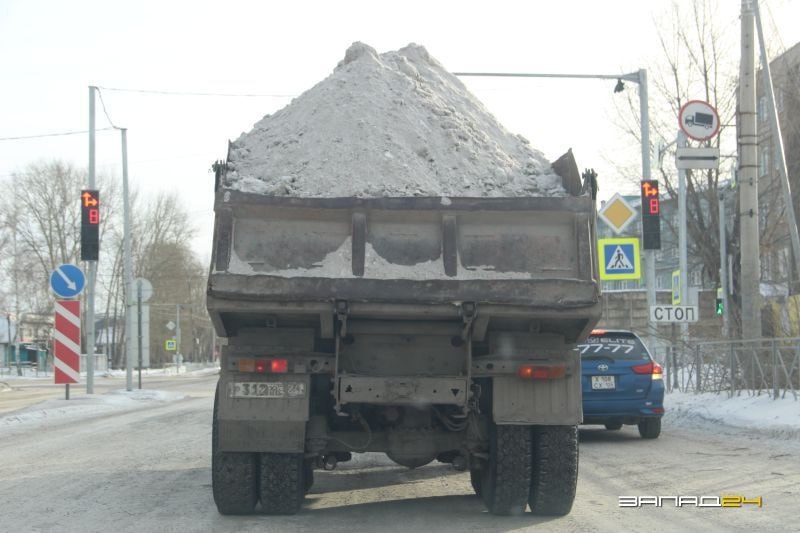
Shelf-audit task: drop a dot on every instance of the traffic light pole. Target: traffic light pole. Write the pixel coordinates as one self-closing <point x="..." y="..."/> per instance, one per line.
<point x="683" y="257"/>
<point x="92" y="265"/>
<point x="723" y="265"/>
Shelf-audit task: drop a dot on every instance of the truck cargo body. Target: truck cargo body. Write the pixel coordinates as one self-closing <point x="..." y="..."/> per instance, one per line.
<point x="425" y="328"/>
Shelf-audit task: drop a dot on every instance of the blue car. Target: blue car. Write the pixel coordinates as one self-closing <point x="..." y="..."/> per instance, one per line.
<point x="621" y="382"/>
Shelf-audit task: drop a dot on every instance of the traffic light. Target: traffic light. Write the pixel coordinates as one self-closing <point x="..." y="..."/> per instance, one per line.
<point x="719" y="306"/>
<point x="90" y="225"/>
<point x="651" y="215"/>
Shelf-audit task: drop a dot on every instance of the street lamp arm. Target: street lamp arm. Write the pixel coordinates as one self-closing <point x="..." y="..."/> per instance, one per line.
<point x="632" y="76"/>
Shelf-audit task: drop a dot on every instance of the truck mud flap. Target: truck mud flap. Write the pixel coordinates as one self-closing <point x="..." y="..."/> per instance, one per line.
<point x="540" y="402"/>
<point x="263" y="413"/>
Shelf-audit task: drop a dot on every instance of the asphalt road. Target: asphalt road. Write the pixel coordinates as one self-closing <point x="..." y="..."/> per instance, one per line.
<point x="148" y="470"/>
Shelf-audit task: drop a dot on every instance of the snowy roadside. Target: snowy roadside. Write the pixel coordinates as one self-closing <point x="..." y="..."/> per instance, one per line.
<point x="757" y="415"/>
<point x="43" y="414"/>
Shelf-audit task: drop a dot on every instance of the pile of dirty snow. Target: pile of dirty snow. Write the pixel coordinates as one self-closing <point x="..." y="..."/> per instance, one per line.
<point x="381" y="125"/>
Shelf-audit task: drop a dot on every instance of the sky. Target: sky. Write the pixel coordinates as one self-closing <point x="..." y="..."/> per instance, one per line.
<point x="261" y="54"/>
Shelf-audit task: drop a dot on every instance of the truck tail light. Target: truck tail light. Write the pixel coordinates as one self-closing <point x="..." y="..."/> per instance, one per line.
<point x="264" y="366"/>
<point x="279" y="366"/>
<point x="542" y="371"/>
<point x="652" y="368"/>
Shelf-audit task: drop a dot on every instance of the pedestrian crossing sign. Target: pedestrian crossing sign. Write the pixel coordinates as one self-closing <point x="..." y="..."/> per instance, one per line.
<point x="619" y="259"/>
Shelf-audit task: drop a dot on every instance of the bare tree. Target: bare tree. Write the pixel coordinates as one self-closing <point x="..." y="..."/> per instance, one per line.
<point x="42" y="218"/>
<point x="163" y="255"/>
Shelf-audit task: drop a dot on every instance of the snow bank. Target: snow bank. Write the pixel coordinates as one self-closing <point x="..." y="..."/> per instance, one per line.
<point x="757" y="414"/>
<point x="80" y="407"/>
<point x="381" y="125"/>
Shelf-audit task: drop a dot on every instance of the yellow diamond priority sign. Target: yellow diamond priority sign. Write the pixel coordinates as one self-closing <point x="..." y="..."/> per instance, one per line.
<point x="617" y="213"/>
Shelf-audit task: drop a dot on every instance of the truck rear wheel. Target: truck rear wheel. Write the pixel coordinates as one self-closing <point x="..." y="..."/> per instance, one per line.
<point x="475" y="479"/>
<point x="507" y="478"/>
<point x="234" y="479"/>
<point x="555" y="470"/>
<point x="282" y="482"/>
<point x="308" y="475"/>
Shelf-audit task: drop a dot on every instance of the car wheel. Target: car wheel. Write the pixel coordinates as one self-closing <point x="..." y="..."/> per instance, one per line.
<point x="650" y="428"/>
<point x="613" y="426"/>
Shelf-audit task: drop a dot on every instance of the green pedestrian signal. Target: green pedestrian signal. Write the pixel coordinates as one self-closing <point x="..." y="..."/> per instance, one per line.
<point x="719" y="302"/>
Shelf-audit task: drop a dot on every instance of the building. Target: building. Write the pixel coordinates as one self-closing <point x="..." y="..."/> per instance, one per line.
<point x="777" y="276"/>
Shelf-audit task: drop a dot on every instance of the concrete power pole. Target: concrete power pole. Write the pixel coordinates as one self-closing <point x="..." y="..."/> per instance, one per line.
<point x="127" y="267"/>
<point x="748" y="182"/>
<point x="92" y="265"/>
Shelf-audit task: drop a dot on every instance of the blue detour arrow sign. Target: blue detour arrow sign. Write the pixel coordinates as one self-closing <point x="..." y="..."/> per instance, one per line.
<point x="67" y="281"/>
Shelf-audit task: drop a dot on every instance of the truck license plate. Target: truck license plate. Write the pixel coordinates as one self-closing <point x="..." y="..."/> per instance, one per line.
<point x="261" y="389"/>
<point x="603" y="382"/>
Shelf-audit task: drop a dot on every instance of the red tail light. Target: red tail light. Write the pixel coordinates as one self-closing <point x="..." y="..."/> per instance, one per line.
<point x="542" y="371"/>
<point x="652" y="368"/>
<point x="264" y="366"/>
<point x="279" y="366"/>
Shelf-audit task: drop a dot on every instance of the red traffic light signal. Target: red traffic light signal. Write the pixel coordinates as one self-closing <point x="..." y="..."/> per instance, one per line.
<point x="90" y="225"/>
<point x="651" y="215"/>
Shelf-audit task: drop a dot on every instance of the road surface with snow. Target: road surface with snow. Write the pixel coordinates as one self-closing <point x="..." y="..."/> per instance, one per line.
<point x="139" y="461"/>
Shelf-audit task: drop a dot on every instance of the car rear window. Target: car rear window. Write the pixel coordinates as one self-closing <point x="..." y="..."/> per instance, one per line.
<point x="614" y="345"/>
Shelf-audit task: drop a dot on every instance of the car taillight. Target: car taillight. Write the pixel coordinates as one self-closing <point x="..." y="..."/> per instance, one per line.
<point x="652" y="368"/>
<point x="542" y="371"/>
<point x="264" y="366"/>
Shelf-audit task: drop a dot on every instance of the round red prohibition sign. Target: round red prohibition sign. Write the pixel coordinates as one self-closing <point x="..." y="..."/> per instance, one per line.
<point x="698" y="120"/>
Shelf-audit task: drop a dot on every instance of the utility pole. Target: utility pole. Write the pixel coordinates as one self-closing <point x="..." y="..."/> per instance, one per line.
<point x="92" y="265"/>
<point x="127" y="266"/>
<point x="178" y="339"/>
<point x="723" y="264"/>
<point x="748" y="183"/>
<point x="139" y="328"/>
<point x="649" y="255"/>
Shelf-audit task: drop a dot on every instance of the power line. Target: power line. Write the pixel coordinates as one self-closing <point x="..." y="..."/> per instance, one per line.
<point x="103" y="104"/>
<point x="188" y="93"/>
<point x="41" y="135"/>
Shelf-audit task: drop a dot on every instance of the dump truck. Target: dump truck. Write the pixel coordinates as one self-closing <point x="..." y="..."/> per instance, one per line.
<point x="426" y="328"/>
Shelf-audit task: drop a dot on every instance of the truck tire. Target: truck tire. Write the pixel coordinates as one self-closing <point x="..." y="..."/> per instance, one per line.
<point x="650" y="428"/>
<point x="234" y="479"/>
<point x="475" y="479"/>
<point x="555" y="470"/>
<point x="308" y="475"/>
<point x="506" y="480"/>
<point x="282" y="482"/>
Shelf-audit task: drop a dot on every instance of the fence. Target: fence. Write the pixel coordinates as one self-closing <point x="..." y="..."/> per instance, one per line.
<point x="763" y="366"/>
